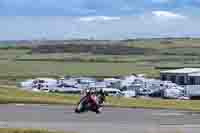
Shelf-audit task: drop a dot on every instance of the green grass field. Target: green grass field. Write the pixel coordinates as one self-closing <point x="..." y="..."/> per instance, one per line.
<point x="18" y="64"/>
<point x="10" y="94"/>
<point x="13" y="130"/>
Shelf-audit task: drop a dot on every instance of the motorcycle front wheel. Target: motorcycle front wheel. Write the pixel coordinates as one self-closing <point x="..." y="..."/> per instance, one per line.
<point x="80" y="108"/>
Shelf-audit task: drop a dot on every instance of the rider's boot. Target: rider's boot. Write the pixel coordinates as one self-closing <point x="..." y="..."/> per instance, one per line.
<point x="99" y="110"/>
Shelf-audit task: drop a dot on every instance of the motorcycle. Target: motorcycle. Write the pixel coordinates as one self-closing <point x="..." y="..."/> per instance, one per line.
<point x="90" y="103"/>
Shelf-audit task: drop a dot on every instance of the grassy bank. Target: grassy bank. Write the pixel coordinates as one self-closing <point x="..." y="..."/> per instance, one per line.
<point x="10" y="130"/>
<point x="155" y="104"/>
<point x="13" y="95"/>
<point x="18" y="64"/>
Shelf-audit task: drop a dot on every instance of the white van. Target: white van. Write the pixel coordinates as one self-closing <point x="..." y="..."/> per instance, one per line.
<point x="39" y="83"/>
<point x="111" y="91"/>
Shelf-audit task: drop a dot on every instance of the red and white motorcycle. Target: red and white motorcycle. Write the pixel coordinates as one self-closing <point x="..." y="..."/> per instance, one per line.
<point x="90" y="102"/>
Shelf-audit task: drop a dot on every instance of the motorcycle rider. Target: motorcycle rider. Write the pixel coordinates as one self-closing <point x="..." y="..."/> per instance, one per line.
<point x="102" y="96"/>
<point x="90" y="95"/>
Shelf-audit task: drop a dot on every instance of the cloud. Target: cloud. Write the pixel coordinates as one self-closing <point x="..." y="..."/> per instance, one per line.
<point x="92" y="7"/>
<point x="122" y="18"/>
<point x="98" y="18"/>
<point x="126" y="8"/>
<point x="70" y="27"/>
<point x="161" y="1"/>
<point x="167" y="15"/>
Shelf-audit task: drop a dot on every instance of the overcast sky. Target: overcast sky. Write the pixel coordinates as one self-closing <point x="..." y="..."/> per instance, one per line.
<point x="99" y="19"/>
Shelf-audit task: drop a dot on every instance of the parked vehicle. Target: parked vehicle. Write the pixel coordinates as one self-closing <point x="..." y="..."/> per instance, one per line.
<point x="111" y="91"/>
<point x="129" y="93"/>
<point x="173" y="93"/>
<point x="39" y="83"/>
<point x="67" y="89"/>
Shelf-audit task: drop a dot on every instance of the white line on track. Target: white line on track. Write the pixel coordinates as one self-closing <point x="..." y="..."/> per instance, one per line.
<point x="168" y="114"/>
<point x="180" y="126"/>
<point x="19" y="104"/>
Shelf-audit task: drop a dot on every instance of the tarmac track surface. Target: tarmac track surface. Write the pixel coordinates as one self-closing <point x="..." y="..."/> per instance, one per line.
<point x="112" y="120"/>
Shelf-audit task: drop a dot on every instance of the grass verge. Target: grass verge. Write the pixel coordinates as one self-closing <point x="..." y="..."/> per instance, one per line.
<point x="154" y="104"/>
<point x="13" y="95"/>
<point x="11" y="130"/>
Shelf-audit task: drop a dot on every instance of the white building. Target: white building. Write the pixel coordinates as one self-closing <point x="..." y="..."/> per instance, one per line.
<point x="184" y="76"/>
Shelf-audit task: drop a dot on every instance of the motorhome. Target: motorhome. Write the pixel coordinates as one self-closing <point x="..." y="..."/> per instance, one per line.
<point x="39" y="83"/>
<point x="129" y="93"/>
<point x="111" y="91"/>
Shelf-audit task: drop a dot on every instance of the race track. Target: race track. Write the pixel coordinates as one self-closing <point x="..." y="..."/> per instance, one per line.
<point x="112" y="120"/>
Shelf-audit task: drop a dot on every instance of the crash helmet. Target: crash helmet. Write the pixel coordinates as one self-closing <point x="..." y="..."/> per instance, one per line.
<point x="87" y="90"/>
<point x="92" y="90"/>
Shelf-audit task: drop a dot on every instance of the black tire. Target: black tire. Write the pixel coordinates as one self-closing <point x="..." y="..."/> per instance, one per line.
<point x="80" y="107"/>
<point x="99" y="110"/>
<point x="77" y="111"/>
